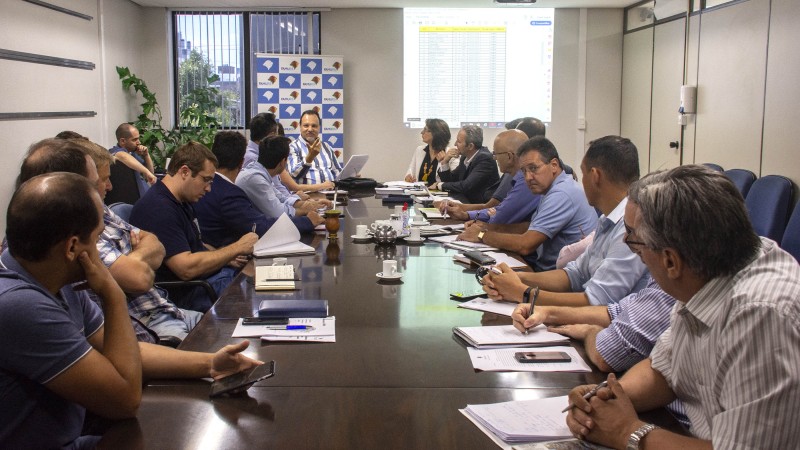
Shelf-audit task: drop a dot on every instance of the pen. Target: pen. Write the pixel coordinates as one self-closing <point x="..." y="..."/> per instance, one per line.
<point x="290" y="327"/>
<point x="587" y="395"/>
<point x="254" y="228"/>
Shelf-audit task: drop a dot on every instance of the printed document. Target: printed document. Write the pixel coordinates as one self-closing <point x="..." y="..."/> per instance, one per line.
<point x="502" y="359"/>
<point x="500" y="336"/>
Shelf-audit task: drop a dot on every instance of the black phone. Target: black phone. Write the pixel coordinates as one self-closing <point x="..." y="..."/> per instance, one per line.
<point x="240" y="382"/>
<point x="479" y="258"/>
<point x="265" y="321"/>
<point x="542" y="357"/>
<point x="462" y="297"/>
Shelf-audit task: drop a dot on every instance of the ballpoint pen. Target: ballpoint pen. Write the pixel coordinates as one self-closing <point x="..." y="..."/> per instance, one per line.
<point x="290" y="327"/>
<point x="587" y="395"/>
<point x="533" y="305"/>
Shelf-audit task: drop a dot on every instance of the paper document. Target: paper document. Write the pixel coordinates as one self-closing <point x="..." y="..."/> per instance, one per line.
<point x="502" y="359"/>
<point x="499" y="336"/>
<point x="431" y="213"/>
<point x="389" y="191"/>
<point x="323" y="327"/>
<point x="489" y="305"/>
<point x="523" y="420"/>
<point x="452" y="241"/>
<point x="401" y="184"/>
<point x="275" y="278"/>
<point x="282" y="238"/>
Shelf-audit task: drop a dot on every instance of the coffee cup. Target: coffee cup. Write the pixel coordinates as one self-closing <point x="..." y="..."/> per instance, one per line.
<point x="389" y="268"/>
<point x="279" y="261"/>
<point x="361" y="231"/>
<point x="414" y="234"/>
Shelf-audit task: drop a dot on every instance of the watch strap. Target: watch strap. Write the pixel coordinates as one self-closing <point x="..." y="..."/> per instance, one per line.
<point x="636" y="437"/>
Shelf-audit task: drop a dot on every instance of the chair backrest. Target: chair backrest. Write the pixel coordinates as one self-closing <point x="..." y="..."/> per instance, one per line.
<point x="769" y="203"/>
<point x="791" y="236"/>
<point x="713" y="166"/>
<point x="742" y="178"/>
<point x="123" y="210"/>
<point x="125" y="187"/>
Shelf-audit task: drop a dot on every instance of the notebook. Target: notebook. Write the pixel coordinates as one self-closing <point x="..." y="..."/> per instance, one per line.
<point x="282" y="238"/>
<point x="275" y="278"/>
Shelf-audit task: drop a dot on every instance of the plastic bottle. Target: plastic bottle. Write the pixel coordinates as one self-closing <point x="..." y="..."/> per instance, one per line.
<point x="404" y="218"/>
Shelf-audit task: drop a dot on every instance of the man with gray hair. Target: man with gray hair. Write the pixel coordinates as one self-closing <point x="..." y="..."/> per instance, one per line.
<point x="732" y="352"/>
<point x="476" y="172"/>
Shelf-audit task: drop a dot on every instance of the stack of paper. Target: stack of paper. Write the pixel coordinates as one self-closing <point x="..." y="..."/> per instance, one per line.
<point x="503" y="359"/>
<point x="282" y="238"/>
<point x="275" y="278"/>
<point x="431" y="213"/>
<point x="452" y="241"/>
<point x="523" y="421"/>
<point x="324" y="330"/>
<point x="501" y="336"/>
<point x="512" y="262"/>
<point x="489" y="305"/>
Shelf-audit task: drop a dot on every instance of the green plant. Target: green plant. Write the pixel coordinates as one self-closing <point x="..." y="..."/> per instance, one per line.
<point x="196" y="121"/>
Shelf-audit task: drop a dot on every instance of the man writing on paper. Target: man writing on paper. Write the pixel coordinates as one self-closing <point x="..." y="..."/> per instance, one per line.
<point x="517" y="203"/>
<point x="607" y="271"/>
<point x="166" y="211"/>
<point x="476" y="172"/>
<point x="563" y="215"/>
<point x="732" y="352"/>
<point x="312" y="161"/>
<point x="226" y="213"/>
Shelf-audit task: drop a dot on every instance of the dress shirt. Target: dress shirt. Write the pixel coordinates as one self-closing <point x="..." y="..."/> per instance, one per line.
<point x="251" y="155"/>
<point x="325" y="167"/>
<point x="732" y="355"/>
<point x="266" y="192"/>
<point x="518" y="205"/>
<point x="469" y="182"/>
<point x="636" y="323"/>
<point x="608" y="270"/>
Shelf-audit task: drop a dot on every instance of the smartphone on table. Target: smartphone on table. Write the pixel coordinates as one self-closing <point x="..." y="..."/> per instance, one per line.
<point x="265" y="321"/>
<point x="240" y="382"/>
<point x="542" y="357"/>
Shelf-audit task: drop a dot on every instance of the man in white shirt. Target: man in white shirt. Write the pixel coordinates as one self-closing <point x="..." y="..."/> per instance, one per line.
<point x="312" y="161"/>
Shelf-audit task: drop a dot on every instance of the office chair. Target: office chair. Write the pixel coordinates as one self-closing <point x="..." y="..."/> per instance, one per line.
<point x="791" y="236"/>
<point x="713" y="166"/>
<point x="125" y="187"/>
<point x="769" y="203"/>
<point x="742" y="179"/>
<point x="123" y="210"/>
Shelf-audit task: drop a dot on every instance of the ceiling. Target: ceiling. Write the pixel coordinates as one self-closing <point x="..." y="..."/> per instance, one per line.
<point x="318" y="4"/>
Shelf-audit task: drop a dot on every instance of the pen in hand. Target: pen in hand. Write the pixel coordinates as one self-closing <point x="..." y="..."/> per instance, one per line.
<point x="587" y="395"/>
<point x="530" y="314"/>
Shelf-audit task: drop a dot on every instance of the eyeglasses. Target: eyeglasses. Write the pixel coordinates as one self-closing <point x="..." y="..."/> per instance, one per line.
<point x="628" y="232"/>
<point x="532" y="168"/>
<point x="495" y="155"/>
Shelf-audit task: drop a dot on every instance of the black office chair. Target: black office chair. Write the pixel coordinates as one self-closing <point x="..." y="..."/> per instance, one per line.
<point x="125" y="186"/>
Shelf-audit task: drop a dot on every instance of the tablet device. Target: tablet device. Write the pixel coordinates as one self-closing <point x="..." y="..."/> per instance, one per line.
<point x="353" y="166"/>
<point x="240" y="382"/>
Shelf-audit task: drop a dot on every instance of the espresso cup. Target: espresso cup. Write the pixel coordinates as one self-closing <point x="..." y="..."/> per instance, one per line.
<point x="279" y="261"/>
<point x="414" y="234"/>
<point x="389" y="268"/>
<point x="361" y="231"/>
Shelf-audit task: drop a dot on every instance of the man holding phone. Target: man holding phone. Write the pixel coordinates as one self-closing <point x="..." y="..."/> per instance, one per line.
<point x="312" y="161"/>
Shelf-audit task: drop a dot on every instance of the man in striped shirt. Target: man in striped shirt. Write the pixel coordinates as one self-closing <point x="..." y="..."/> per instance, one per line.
<point x="732" y="352"/>
<point x="312" y="161"/>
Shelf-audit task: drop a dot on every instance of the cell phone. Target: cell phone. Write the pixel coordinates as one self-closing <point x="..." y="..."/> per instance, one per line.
<point x="265" y="321"/>
<point x="542" y="357"/>
<point x="240" y="382"/>
<point x="479" y="258"/>
<point x="462" y="297"/>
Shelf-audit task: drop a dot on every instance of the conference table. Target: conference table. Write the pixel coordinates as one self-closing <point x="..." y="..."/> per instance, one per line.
<point x="396" y="376"/>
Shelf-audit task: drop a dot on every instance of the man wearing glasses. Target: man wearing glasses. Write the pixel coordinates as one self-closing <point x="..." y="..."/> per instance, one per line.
<point x="563" y="215"/>
<point x="166" y="211"/>
<point x="517" y="203"/>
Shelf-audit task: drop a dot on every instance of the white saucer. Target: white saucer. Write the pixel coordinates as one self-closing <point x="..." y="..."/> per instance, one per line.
<point x="415" y="241"/>
<point x="358" y="238"/>
<point x="396" y="276"/>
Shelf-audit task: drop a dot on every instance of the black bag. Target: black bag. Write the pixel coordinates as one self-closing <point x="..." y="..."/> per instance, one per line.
<point x="356" y="183"/>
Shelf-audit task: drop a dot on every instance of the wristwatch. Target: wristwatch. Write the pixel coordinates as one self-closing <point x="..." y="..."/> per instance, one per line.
<point x="636" y="436"/>
<point x="480" y="235"/>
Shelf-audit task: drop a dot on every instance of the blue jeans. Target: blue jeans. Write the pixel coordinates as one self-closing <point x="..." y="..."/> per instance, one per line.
<point x="165" y="324"/>
<point x="196" y="298"/>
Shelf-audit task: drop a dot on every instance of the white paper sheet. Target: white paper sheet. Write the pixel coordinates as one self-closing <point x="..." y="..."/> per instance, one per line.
<point x="523" y="421"/>
<point x="489" y="305"/>
<point x="282" y="238"/>
<point x="322" y="327"/>
<point x="499" y="336"/>
<point x="499" y="359"/>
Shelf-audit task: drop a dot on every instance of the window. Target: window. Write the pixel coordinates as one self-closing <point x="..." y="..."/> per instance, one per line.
<point x="220" y="46"/>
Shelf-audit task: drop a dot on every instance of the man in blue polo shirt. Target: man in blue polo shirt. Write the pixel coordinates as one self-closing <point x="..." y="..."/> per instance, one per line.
<point x="608" y="270"/>
<point x="166" y="211"/>
<point x="563" y="215"/>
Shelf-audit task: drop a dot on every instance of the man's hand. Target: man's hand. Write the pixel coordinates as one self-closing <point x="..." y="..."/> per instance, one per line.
<point x="410" y="178"/>
<point x="313" y="150"/>
<point x="448" y="155"/>
<point x="150" y="178"/>
<point x="521" y="320"/>
<point x="456" y="211"/>
<point x="575" y="331"/>
<point x="470" y="233"/>
<point x="239" y="262"/>
<point x="142" y="150"/>
<point x="229" y="360"/>
<point x="315" y="218"/>
<point x="325" y="186"/>
<point x="608" y="418"/>
<point x="98" y="278"/>
<point x="245" y="244"/>
<point x="505" y="286"/>
<point x="302" y="195"/>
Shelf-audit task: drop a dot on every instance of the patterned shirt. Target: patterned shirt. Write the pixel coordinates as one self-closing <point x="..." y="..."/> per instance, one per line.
<point x="325" y="167"/>
<point x="115" y="241"/>
<point x="732" y="355"/>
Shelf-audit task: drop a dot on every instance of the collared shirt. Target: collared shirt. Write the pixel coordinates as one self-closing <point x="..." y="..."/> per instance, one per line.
<point x="732" y="355"/>
<point x="325" y="167"/>
<point x="608" y="271"/>
<point x="266" y="191"/>
<point x="636" y="323"/>
<point x="518" y="205"/>
<point x="564" y="216"/>
<point x="114" y="242"/>
<point x="251" y="154"/>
